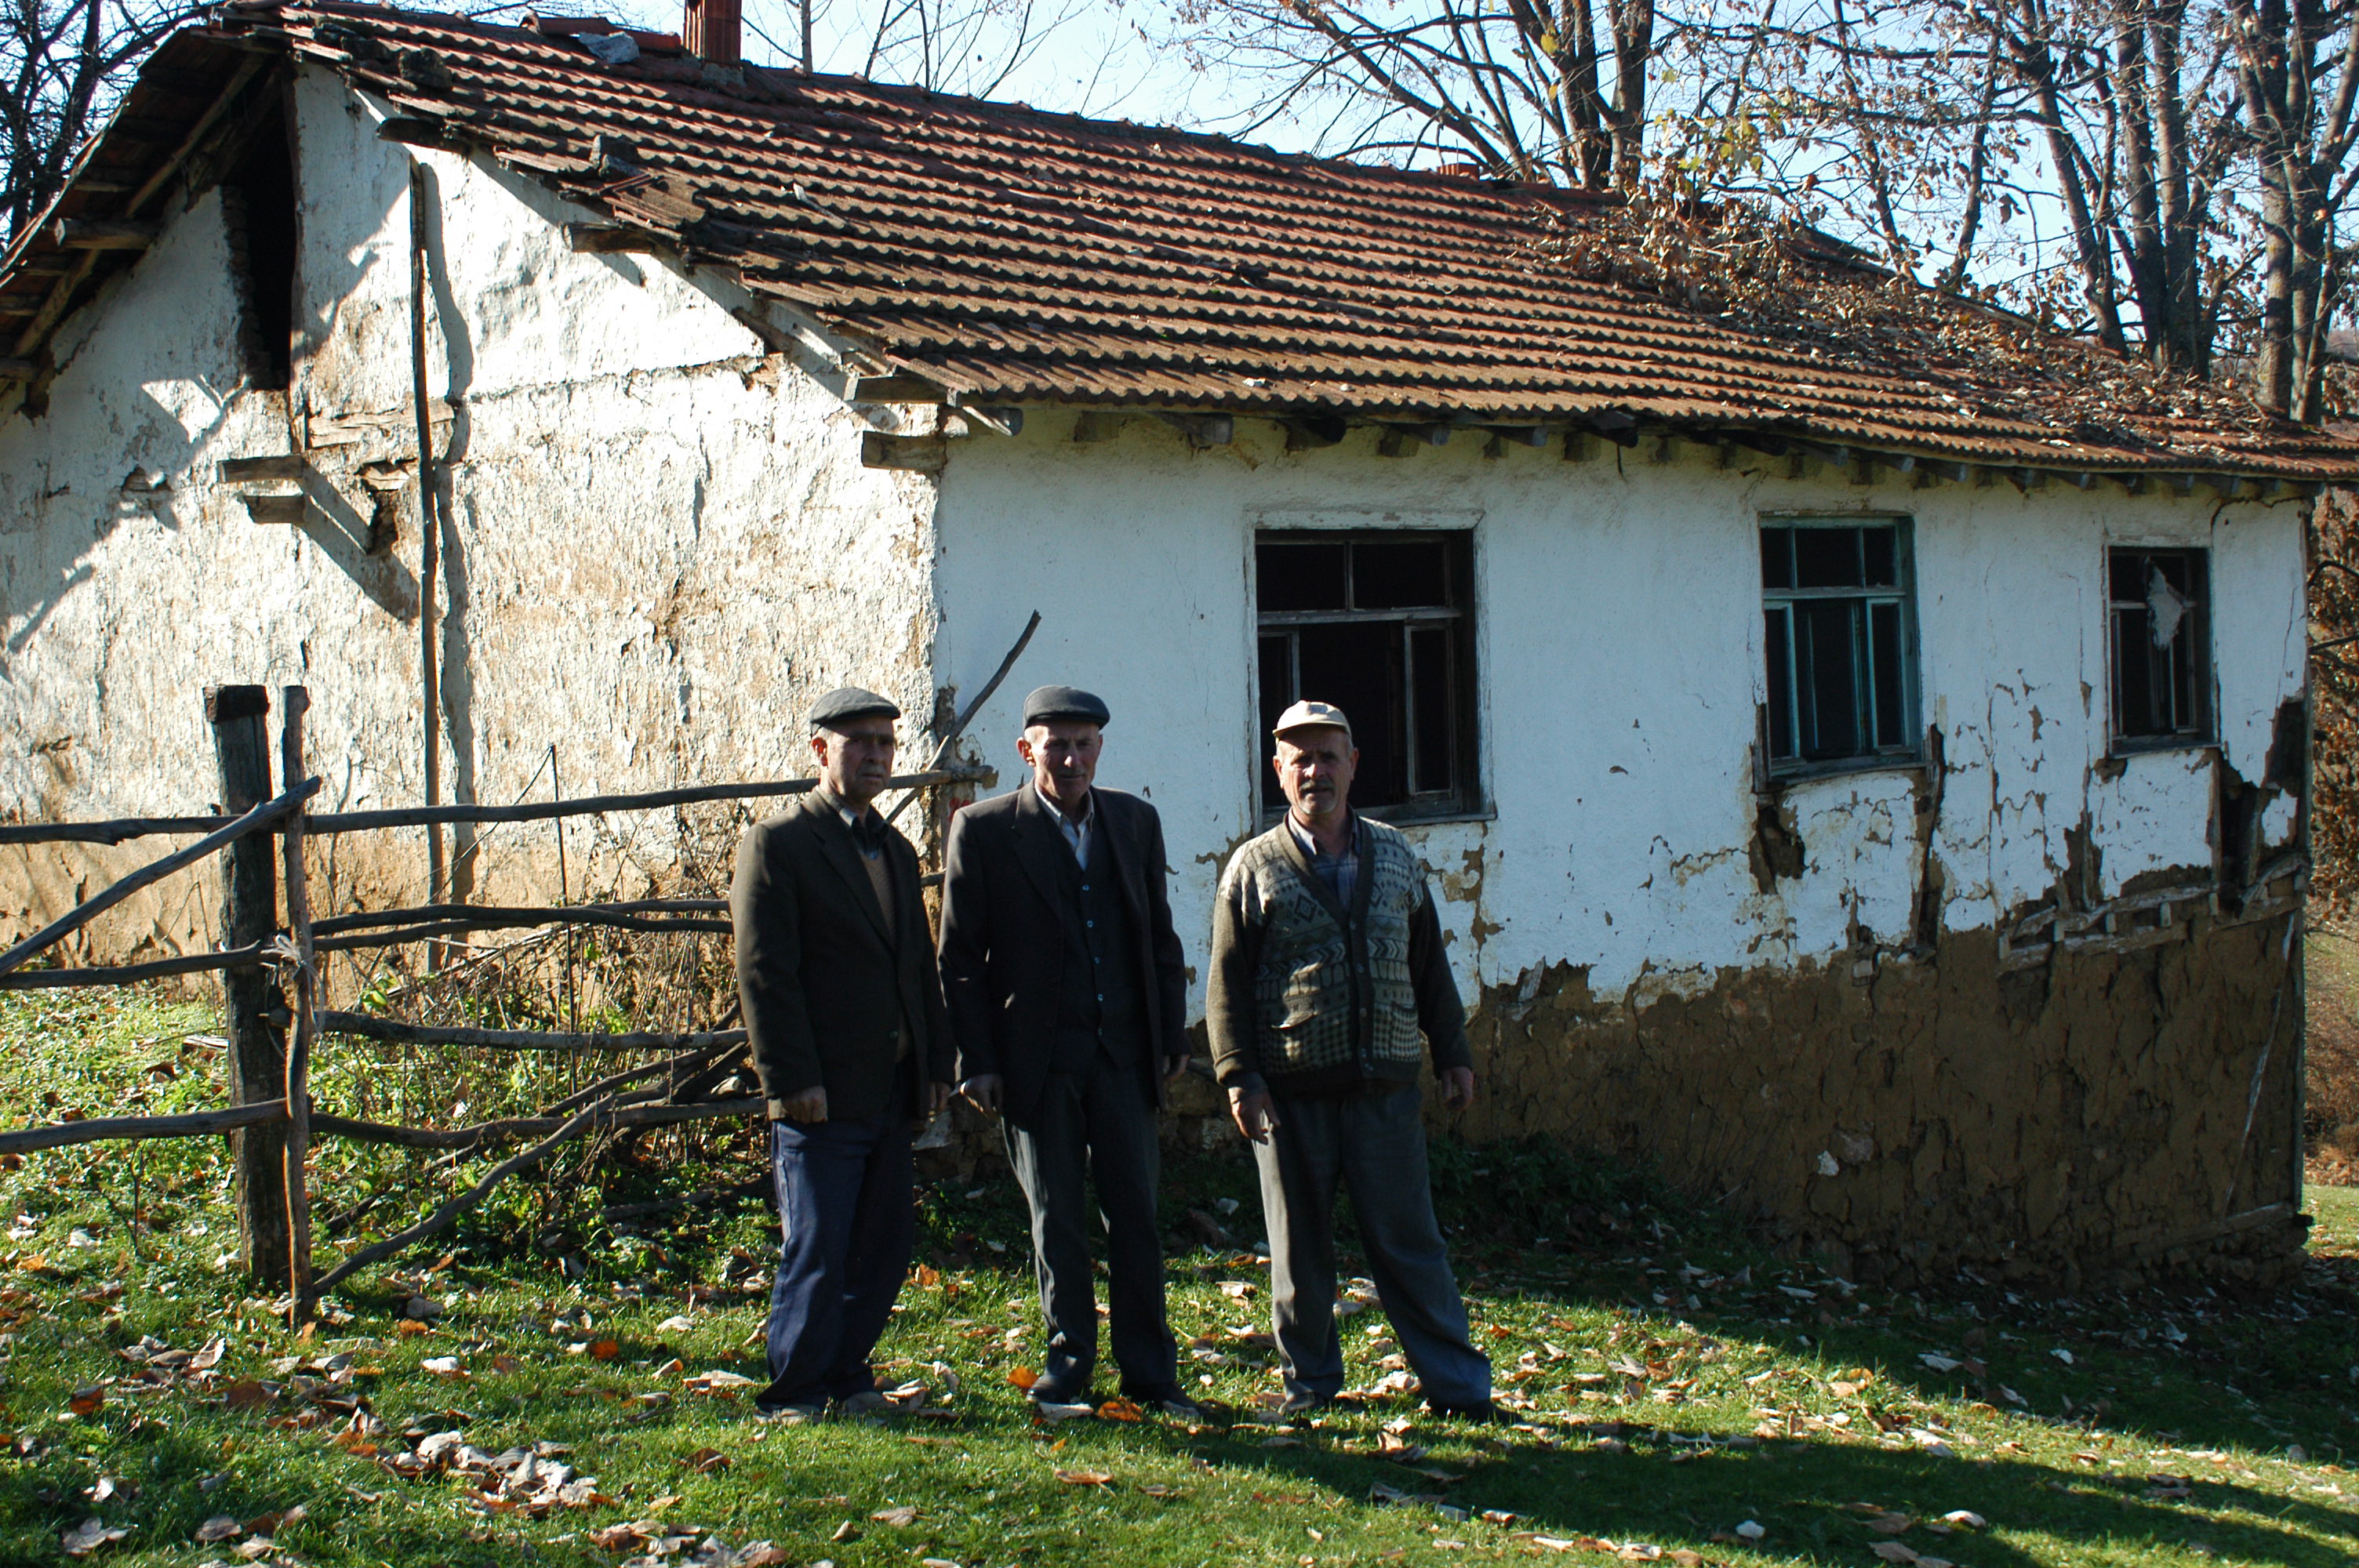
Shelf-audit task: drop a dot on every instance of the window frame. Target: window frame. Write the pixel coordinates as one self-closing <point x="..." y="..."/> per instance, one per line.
<point x="1466" y="798"/>
<point x="1770" y="771"/>
<point x="2201" y="678"/>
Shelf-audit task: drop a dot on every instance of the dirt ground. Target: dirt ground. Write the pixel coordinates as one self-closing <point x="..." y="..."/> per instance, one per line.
<point x="2332" y="1114"/>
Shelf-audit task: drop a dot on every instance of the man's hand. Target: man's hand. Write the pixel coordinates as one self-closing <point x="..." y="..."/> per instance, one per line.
<point x="811" y="1104"/>
<point x="1175" y="1066"/>
<point x="1253" y="1113"/>
<point x="1458" y="1088"/>
<point x="938" y="1095"/>
<point x="982" y="1092"/>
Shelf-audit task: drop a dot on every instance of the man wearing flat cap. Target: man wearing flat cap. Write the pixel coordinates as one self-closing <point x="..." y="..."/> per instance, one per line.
<point x="1068" y="993"/>
<point x="1327" y="968"/>
<point x="843" y="1011"/>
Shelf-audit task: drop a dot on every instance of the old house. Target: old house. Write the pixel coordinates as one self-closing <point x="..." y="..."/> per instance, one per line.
<point x="1867" y="784"/>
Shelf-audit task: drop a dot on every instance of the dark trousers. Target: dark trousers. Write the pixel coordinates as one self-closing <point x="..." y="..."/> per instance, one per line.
<point x="1098" y="1125"/>
<point x="846" y="1213"/>
<point x="1374" y="1145"/>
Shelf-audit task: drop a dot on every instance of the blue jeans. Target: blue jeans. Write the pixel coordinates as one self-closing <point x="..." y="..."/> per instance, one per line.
<point x="846" y="1214"/>
<point x="1375" y="1146"/>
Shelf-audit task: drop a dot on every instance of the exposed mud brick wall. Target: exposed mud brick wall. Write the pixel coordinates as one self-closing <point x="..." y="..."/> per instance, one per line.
<point x="2099" y="1114"/>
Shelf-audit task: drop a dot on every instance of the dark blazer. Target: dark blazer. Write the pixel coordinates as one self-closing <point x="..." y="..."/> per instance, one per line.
<point x="1003" y="943"/>
<point x="826" y="992"/>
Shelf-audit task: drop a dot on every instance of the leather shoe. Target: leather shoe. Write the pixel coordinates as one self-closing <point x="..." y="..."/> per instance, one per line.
<point x="1484" y="1414"/>
<point x="1169" y="1398"/>
<point x="1048" y="1388"/>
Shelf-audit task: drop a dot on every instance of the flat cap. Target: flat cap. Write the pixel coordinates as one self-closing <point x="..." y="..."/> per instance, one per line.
<point x="1049" y="702"/>
<point x="1303" y="715"/>
<point x="849" y="702"/>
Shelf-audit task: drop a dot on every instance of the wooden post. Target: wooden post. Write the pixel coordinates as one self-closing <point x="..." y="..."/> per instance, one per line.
<point x="429" y="549"/>
<point x="257" y="1064"/>
<point x="295" y="702"/>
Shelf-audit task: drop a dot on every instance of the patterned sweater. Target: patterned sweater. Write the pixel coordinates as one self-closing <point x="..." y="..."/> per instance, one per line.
<point x="1310" y="999"/>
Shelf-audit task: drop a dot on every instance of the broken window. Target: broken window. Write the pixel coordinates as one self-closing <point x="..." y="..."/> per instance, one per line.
<point x="1381" y="624"/>
<point x="1840" y="640"/>
<point x="2161" y="635"/>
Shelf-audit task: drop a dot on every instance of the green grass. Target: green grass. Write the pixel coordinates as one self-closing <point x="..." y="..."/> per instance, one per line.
<point x="1681" y="1381"/>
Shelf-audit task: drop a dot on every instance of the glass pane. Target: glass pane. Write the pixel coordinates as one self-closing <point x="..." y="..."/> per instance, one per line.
<point x="1826" y="557"/>
<point x="1776" y="558"/>
<point x="1276" y="693"/>
<point x="1879" y="551"/>
<point x="1357" y="667"/>
<point x="1826" y="646"/>
<point x="2134" y="712"/>
<point x="1884" y="670"/>
<point x="1406" y="574"/>
<point x="2126" y="573"/>
<point x="1301" y="576"/>
<point x="2180" y="664"/>
<point x="1777" y="633"/>
<point x="1433" y="725"/>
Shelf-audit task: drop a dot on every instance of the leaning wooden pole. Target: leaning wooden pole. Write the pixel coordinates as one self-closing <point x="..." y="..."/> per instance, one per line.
<point x="429" y="527"/>
<point x="257" y="1063"/>
<point x="296" y="702"/>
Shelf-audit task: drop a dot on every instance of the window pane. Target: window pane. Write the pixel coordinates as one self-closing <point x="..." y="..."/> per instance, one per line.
<point x="1776" y="558"/>
<point x="2127" y="576"/>
<point x="1879" y="551"/>
<point x="1827" y="640"/>
<point x="1776" y="634"/>
<point x="2134" y="712"/>
<point x="2179" y="665"/>
<point x="1277" y="695"/>
<point x="1307" y="576"/>
<point x="1408" y="575"/>
<point x="1826" y="557"/>
<point x="1433" y="727"/>
<point x="1356" y="665"/>
<point x="1884" y="671"/>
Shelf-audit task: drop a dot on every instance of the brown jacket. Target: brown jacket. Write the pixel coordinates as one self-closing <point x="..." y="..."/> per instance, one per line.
<point x="829" y="991"/>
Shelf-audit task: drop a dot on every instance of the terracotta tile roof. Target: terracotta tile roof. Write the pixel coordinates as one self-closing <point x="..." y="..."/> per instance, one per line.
<point x="1010" y="255"/>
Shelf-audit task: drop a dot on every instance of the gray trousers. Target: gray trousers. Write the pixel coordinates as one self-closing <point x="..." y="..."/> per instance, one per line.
<point x="1374" y="1144"/>
<point x="1096" y="1127"/>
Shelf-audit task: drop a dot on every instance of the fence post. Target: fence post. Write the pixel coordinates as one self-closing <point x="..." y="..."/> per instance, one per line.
<point x="295" y="702"/>
<point x="250" y="996"/>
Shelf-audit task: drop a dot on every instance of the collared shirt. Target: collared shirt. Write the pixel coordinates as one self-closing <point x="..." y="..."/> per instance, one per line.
<point x="1077" y="834"/>
<point x="1340" y="873"/>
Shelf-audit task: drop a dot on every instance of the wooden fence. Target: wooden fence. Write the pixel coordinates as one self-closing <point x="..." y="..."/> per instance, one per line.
<point x="270" y="1118"/>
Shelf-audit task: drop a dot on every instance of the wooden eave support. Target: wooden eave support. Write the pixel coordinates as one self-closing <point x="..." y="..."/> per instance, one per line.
<point x="415" y="131"/>
<point x="105" y="233"/>
<point x="1398" y="440"/>
<point x="968" y="417"/>
<point x="608" y="239"/>
<point x="16" y="368"/>
<point x="1202" y="429"/>
<point x="284" y="511"/>
<point x="900" y="387"/>
<point x="274" y="466"/>
<point x="1505" y="436"/>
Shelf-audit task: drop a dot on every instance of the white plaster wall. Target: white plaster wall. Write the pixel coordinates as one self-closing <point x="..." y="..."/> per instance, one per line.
<point x="661" y="541"/>
<point x="1620" y="663"/>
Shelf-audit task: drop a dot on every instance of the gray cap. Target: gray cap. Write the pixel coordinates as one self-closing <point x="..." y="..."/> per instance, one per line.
<point x="1049" y="702"/>
<point x="1303" y="715"/>
<point x="846" y="703"/>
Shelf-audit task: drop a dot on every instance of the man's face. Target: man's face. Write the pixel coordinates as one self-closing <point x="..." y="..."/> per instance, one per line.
<point x="855" y="759"/>
<point x="1315" y="764"/>
<point x="1063" y="754"/>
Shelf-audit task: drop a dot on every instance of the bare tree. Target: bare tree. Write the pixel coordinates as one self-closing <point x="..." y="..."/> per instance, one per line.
<point x="970" y="46"/>
<point x="65" y="63"/>
<point x="1551" y="89"/>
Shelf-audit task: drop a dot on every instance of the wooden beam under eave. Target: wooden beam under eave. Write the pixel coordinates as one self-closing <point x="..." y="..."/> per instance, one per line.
<point x="908" y="454"/>
<point x="19" y="369"/>
<point x="105" y="233"/>
<point x="608" y="239"/>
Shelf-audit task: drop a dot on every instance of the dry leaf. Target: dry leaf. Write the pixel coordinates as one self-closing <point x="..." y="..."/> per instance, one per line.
<point x="87" y="1401"/>
<point x="706" y="1461"/>
<point x="1158" y="1489"/>
<point x="221" y="1527"/>
<point x="246" y="1394"/>
<point x="1965" y="1518"/>
<point x="900" y="1518"/>
<point x="1894" y="1552"/>
<point x="1084" y="1477"/>
<point x="1120" y="1410"/>
<point x="1022" y="1377"/>
<point x="1890" y="1523"/>
<point x="604" y="1350"/>
<point x="89" y="1536"/>
<point x="846" y="1531"/>
<point x="928" y="1276"/>
<point x="208" y="1358"/>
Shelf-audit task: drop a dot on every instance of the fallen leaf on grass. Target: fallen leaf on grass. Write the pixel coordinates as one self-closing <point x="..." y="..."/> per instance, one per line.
<point x="1965" y="1518"/>
<point x="1158" y="1489"/>
<point x="1121" y="1410"/>
<point x="208" y="1358"/>
<point x="246" y="1394"/>
<point x="1084" y="1477"/>
<point x="221" y="1527"/>
<point x="846" y="1531"/>
<point x="1890" y="1523"/>
<point x="90" y="1535"/>
<point x="442" y="1366"/>
<point x="707" y="1461"/>
<point x="87" y="1401"/>
<point x="678" y="1323"/>
<point x="1045" y="1411"/>
<point x="604" y="1350"/>
<point x="898" y="1518"/>
<point x="506" y="1364"/>
<point x="1022" y="1377"/>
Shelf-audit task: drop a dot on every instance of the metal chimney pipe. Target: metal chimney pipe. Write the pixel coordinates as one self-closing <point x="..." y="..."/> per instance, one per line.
<point x="713" y="30"/>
